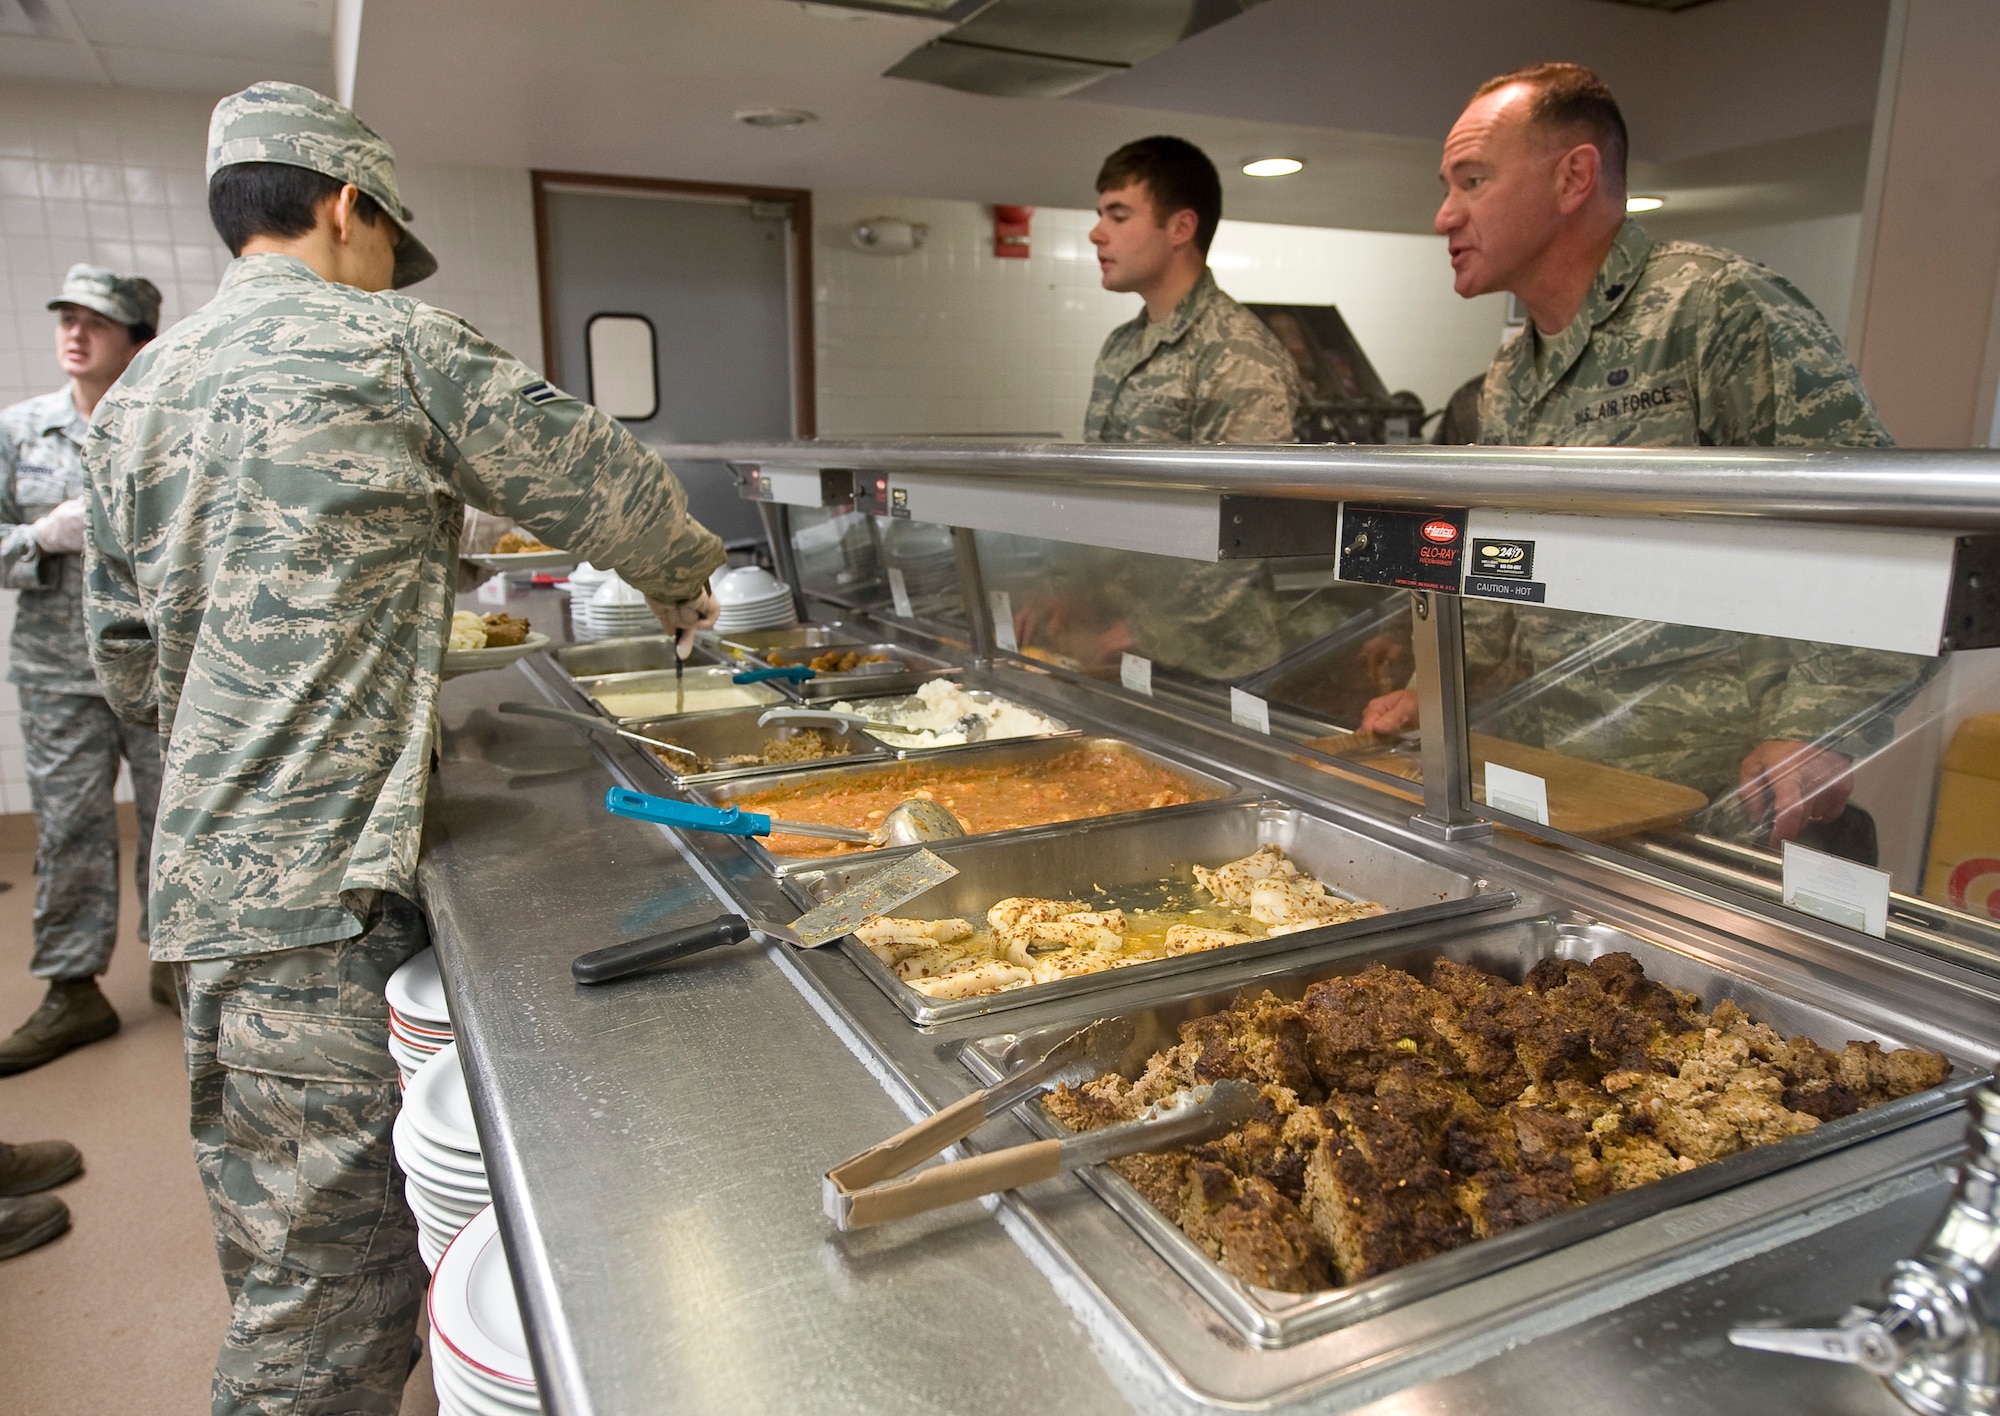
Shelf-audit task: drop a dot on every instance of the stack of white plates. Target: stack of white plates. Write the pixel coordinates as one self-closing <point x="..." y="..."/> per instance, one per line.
<point x="479" y="1354"/>
<point x="439" y="1152"/>
<point x="753" y="598"/>
<point x="419" y="1024"/>
<point x="613" y="610"/>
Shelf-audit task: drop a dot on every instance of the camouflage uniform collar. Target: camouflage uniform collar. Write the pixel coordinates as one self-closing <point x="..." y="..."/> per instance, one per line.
<point x="1171" y="329"/>
<point x="59" y="415"/>
<point x="1622" y="266"/>
<point x="267" y="265"/>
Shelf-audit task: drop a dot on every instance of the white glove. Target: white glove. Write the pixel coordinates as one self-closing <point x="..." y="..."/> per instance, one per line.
<point x="684" y="617"/>
<point x="60" y="533"/>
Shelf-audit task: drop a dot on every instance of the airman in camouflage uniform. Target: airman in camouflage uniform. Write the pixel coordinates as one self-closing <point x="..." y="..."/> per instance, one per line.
<point x="72" y="740"/>
<point x="1213" y="373"/>
<point x="277" y="490"/>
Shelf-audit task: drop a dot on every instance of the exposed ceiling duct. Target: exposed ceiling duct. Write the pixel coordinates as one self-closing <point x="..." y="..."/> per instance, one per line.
<point x="1046" y="48"/>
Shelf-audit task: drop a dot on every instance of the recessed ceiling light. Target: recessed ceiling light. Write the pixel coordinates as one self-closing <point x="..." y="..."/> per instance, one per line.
<point x="1272" y="167"/>
<point x="1644" y="203"/>
<point x="774" y="117"/>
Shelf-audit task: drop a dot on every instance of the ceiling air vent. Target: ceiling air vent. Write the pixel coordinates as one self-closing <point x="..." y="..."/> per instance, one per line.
<point x="1046" y="48"/>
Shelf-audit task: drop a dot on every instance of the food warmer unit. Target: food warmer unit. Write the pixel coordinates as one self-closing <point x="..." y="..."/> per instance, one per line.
<point x="657" y="1145"/>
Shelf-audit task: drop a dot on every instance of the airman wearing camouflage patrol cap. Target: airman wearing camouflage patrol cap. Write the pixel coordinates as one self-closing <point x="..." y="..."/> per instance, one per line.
<point x="72" y="743"/>
<point x="292" y="125"/>
<point x="277" y="488"/>
<point x="132" y="300"/>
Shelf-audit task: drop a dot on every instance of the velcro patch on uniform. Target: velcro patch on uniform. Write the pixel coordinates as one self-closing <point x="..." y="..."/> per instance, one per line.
<point x="542" y="391"/>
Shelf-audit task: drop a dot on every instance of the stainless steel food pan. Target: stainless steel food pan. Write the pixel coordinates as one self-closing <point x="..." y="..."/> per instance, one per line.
<point x="1129" y="862"/>
<point x="1028" y="753"/>
<point x="875" y="706"/>
<point x="735" y="731"/>
<point x="1510" y="949"/>
<point x="917" y="669"/>
<point x="798" y="636"/>
<point x="667" y="685"/>
<point x="624" y="656"/>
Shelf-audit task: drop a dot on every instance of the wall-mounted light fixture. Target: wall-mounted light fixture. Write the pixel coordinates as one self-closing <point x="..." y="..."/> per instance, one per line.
<point x="774" y="117"/>
<point x="1272" y="167"/>
<point x="889" y="235"/>
<point x="1637" y="204"/>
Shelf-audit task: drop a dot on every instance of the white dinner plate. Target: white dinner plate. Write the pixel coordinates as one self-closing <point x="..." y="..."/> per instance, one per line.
<point x="409" y="1140"/>
<point x="416" y="990"/>
<point x="458" y="1393"/>
<point x="434" y="1214"/>
<point x="474" y="661"/>
<point x="472" y="1308"/>
<point x="419" y="1029"/>
<point x="469" y="1377"/>
<point x="438" y="1105"/>
<point x="517" y="562"/>
<point x="460" y="1190"/>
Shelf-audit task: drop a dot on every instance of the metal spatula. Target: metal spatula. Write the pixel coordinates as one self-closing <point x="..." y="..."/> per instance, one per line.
<point x="838" y="914"/>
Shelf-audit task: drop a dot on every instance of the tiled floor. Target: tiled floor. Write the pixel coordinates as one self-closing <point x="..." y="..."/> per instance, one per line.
<point x="123" y="1313"/>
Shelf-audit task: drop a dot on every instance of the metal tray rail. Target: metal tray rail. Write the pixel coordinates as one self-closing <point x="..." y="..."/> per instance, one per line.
<point x="1026" y="751"/>
<point x="918" y="669"/>
<point x="634" y="654"/>
<point x="1121" y="860"/>
<point x="766" y="694"/>
<point x="735" y="730"/>
<point x="1272" y="1319"/>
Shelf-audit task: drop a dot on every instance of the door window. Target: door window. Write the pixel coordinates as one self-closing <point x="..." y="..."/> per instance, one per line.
<point x="624" y="380"/>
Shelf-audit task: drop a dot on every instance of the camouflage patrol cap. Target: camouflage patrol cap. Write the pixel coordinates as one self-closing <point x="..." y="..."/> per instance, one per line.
<point x="290" y="124"/>
<point x="128" y="299"/>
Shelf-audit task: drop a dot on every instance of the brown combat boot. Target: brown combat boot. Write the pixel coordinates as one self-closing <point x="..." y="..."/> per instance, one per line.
<point x="36" y="1165"/>
<point x="30" y="1223"/>
<point x="74" y="1012"/>
<point x="160" y="983"/>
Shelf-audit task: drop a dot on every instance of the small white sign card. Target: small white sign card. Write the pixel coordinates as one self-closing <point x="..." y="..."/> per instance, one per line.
<point x="493" y="590"/>
<point x="1136" y="673"/>
<point x="899" y="591"/>
<point x="1836" y="890"/>
<point x="1002" y="607"/>
<point x="1247" y="710"/>
<point x="1522" y="793"/>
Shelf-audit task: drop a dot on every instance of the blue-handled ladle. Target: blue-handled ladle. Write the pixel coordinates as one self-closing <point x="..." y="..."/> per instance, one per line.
<point x="909" y="823"/>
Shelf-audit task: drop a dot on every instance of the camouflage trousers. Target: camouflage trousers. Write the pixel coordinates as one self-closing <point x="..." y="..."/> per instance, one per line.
<point x="72" y="745"/>
<point x="294" y="1094"/>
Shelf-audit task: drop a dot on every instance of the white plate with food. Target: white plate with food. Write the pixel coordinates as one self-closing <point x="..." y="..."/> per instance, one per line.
<point x="520" y="562"/>
<point x="473" y="661"/>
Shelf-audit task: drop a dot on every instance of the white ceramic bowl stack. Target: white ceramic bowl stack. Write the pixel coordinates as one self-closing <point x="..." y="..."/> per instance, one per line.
<point x="479" y="1354"/>
<point x="610" y="609"/>
<point x="445" y="1175"/>
<point x="752" y="598"/>
<point x="419" y="1023"/>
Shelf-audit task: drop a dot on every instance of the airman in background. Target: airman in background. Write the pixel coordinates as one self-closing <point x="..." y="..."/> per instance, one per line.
<point x="71" y="740"/>
<point x="1633" y="342"/>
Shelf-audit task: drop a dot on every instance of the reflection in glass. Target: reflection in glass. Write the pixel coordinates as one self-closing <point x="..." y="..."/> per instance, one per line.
<point x="847" y="557"/>
<point x="1764" y="738"/>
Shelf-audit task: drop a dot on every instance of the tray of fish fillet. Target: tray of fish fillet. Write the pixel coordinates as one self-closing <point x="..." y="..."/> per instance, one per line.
<point x="1054" y="913"/>
<point x="1437" y="1108"/>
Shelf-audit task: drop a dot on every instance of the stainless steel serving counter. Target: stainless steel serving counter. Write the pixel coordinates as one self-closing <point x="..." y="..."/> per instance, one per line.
<point x="655" y="1150"/>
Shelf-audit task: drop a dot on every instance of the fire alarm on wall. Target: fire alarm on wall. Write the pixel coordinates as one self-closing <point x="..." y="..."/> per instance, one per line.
<point x="1010" y="231"/>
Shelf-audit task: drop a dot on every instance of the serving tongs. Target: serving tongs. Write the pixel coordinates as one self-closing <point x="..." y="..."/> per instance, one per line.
<point x="1186" y="1118"/>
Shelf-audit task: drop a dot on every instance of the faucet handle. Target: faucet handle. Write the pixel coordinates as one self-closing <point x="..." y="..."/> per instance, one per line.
<point x="1861" y="1340"/>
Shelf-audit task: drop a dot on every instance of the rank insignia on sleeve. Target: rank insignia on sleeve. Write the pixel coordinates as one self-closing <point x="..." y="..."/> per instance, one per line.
<point x="1617" y="377"/>
<point x="542" y="391"/>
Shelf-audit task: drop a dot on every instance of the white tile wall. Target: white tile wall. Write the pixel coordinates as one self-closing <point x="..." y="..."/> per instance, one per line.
<point x="115" y="177"/>
<point x="951" y="339"/>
